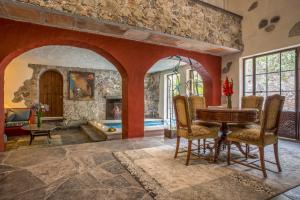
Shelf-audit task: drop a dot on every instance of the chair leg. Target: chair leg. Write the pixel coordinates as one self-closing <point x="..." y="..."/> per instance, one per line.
<point x="247" y="151"/>
<point x="198" y="147"/>
<point x="204" y="146"/>
<point x="262" y="161"/>
<point x="228" y="152"/>
<point x="189" y="152"/>
<point x="177" y="146"/>
<point x="277" y="156"/>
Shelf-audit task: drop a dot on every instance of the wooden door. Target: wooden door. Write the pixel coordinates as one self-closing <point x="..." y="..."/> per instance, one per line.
<point x="51" y="93"/>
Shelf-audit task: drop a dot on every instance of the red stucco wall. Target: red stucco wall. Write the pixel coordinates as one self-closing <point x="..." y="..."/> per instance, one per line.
<point x="132" y="59"/>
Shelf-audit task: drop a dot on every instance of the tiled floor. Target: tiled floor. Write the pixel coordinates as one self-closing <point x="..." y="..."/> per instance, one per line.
<point x="80" y="171"/>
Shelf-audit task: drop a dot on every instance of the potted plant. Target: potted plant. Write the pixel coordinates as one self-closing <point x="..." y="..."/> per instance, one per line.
<point x="228" y="91"/>
<point x="39" y="109"/>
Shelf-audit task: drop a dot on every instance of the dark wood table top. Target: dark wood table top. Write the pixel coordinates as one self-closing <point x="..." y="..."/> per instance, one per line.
<point x="44" y="127"/>
<point x="227" y="115"/>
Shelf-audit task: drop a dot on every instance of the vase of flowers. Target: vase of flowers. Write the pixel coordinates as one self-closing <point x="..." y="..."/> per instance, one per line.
<point x="228" y="91"/>
<point x="39" y="109"/>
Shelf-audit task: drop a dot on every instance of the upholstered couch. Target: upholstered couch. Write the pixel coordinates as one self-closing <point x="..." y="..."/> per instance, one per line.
<point x="15" y="119"/>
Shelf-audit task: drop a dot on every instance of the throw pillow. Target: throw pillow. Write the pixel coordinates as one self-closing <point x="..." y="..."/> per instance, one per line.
<point x="10" y="116"/>
<point x="22" y="114"/>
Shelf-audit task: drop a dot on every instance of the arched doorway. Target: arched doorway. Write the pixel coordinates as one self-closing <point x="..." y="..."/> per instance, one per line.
<point x="168" y="77"/>
<point x="51" y="93"/>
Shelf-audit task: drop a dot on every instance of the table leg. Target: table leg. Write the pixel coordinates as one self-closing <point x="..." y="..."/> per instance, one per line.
<point x="31" y="138"/>
<point x="221" y="140"/>
<point x="49" y="137"/>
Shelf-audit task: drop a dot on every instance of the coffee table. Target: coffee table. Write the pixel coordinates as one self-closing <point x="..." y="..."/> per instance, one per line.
<point x="44" y="130"/>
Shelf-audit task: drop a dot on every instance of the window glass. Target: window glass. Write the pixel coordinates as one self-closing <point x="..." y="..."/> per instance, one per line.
<point x="196" y="86"/>
<point x="273" y="63"/>
<point x="249" y="66"/>
<point x="273" y="82"/>
<point x="288" y="81"/>
<point x="261" y="65"/>
<point x="288" y="60"/>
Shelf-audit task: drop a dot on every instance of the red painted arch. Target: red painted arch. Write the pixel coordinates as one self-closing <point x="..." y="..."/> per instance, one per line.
<point x="132" y="59"/>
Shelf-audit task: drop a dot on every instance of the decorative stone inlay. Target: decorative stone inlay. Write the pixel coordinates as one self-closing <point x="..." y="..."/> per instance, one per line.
<point x="253" y="6"/>
<point x="275" y="19"/>
<point x="270" y="28"/>
<point x="227" y="67"/>
<point x="295" y="30"/>
<point x="188" y="19"/>
<point x="263" y="23"/>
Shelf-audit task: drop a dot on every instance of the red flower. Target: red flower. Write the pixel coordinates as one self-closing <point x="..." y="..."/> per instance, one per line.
<point x="228" y="87"/>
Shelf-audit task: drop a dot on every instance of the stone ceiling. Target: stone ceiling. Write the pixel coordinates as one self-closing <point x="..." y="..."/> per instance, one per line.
<point x="187" y="24"/>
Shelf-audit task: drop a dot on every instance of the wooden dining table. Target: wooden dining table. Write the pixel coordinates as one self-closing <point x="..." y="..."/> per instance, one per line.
<point x="226" y="116"/>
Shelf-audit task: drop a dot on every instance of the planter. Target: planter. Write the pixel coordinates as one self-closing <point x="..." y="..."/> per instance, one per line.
<point x="169" y="133"/>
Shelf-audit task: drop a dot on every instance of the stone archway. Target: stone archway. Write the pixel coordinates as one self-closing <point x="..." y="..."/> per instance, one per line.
<point x="72" y="43"/>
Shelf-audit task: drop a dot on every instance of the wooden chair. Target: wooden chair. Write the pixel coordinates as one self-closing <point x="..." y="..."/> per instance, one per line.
<point x="198" y="102"/>
<point x="185" y="128"/>
<point x="253" y="102"/>
<point x="261" y="136"/>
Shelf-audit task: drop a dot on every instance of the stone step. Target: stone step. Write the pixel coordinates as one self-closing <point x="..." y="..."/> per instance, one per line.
<point x="93" y="134"/>
<point x="109" y="135"/>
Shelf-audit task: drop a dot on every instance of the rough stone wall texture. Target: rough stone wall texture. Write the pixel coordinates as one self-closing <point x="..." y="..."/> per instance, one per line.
<point x="186" y="18"/>
<point x="107" y="83"/>
<point x="152" y="95"/>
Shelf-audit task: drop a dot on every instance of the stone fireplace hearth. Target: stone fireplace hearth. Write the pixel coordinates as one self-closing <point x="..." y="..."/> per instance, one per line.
<point x="113" y="108"/>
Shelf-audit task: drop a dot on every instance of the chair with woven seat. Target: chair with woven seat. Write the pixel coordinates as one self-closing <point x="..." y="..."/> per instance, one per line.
<point x="261" y="136"/>
<point x="198" y="102"/>
<point x="185" y="128"/>
<point x="252" y="102"/>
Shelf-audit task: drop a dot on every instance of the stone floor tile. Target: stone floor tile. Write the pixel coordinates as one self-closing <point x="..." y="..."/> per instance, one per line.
<point x="293" y="193"/>
<point x="114" y="167"/>
<point x="29" y="157"/>
<point x="281" y="197"/>
<point x="16" y="182"/>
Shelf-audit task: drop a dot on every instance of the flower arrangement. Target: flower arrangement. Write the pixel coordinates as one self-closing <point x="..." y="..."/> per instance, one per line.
<point x="228" y="91"/>
<point x="39" y="108"/>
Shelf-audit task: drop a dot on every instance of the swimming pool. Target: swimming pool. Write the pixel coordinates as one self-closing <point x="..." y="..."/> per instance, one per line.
<point x="146" y="124"/>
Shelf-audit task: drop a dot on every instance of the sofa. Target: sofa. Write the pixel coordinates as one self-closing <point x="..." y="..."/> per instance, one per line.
<point x="15" y="119"/>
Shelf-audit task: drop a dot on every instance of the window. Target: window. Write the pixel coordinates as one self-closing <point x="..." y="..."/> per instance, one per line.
<point x="272" y="74"/>
<point x="195" y="83"/>
<point x="173" y="87"/>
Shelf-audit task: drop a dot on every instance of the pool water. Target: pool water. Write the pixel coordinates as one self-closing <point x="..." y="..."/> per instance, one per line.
<point x="146" y="123"/>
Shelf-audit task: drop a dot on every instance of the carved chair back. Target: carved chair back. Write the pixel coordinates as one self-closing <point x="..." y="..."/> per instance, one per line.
<point x="196" y="102"/>
<point x="253" y="102"/>
<point x="182" y="114"/>
<point x="271" y="114"/>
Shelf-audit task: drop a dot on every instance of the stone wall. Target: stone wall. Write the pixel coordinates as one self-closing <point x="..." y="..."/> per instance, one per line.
<point x="152" y="93"/>
<point x="192" y="19"/>
<point x="107" y="83"/>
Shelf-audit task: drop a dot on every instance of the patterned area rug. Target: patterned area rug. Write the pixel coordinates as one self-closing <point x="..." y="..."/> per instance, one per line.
<point x="167" y="178"/>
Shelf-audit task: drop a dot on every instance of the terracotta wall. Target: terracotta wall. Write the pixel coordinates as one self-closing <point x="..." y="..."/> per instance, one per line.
<point x="132" y="59"/>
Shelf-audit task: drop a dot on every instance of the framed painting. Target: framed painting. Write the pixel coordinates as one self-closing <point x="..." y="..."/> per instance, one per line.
<point x="81" y="85"/>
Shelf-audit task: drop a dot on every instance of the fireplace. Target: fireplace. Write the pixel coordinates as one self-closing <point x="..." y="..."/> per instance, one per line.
<point x="113" y="108"/>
